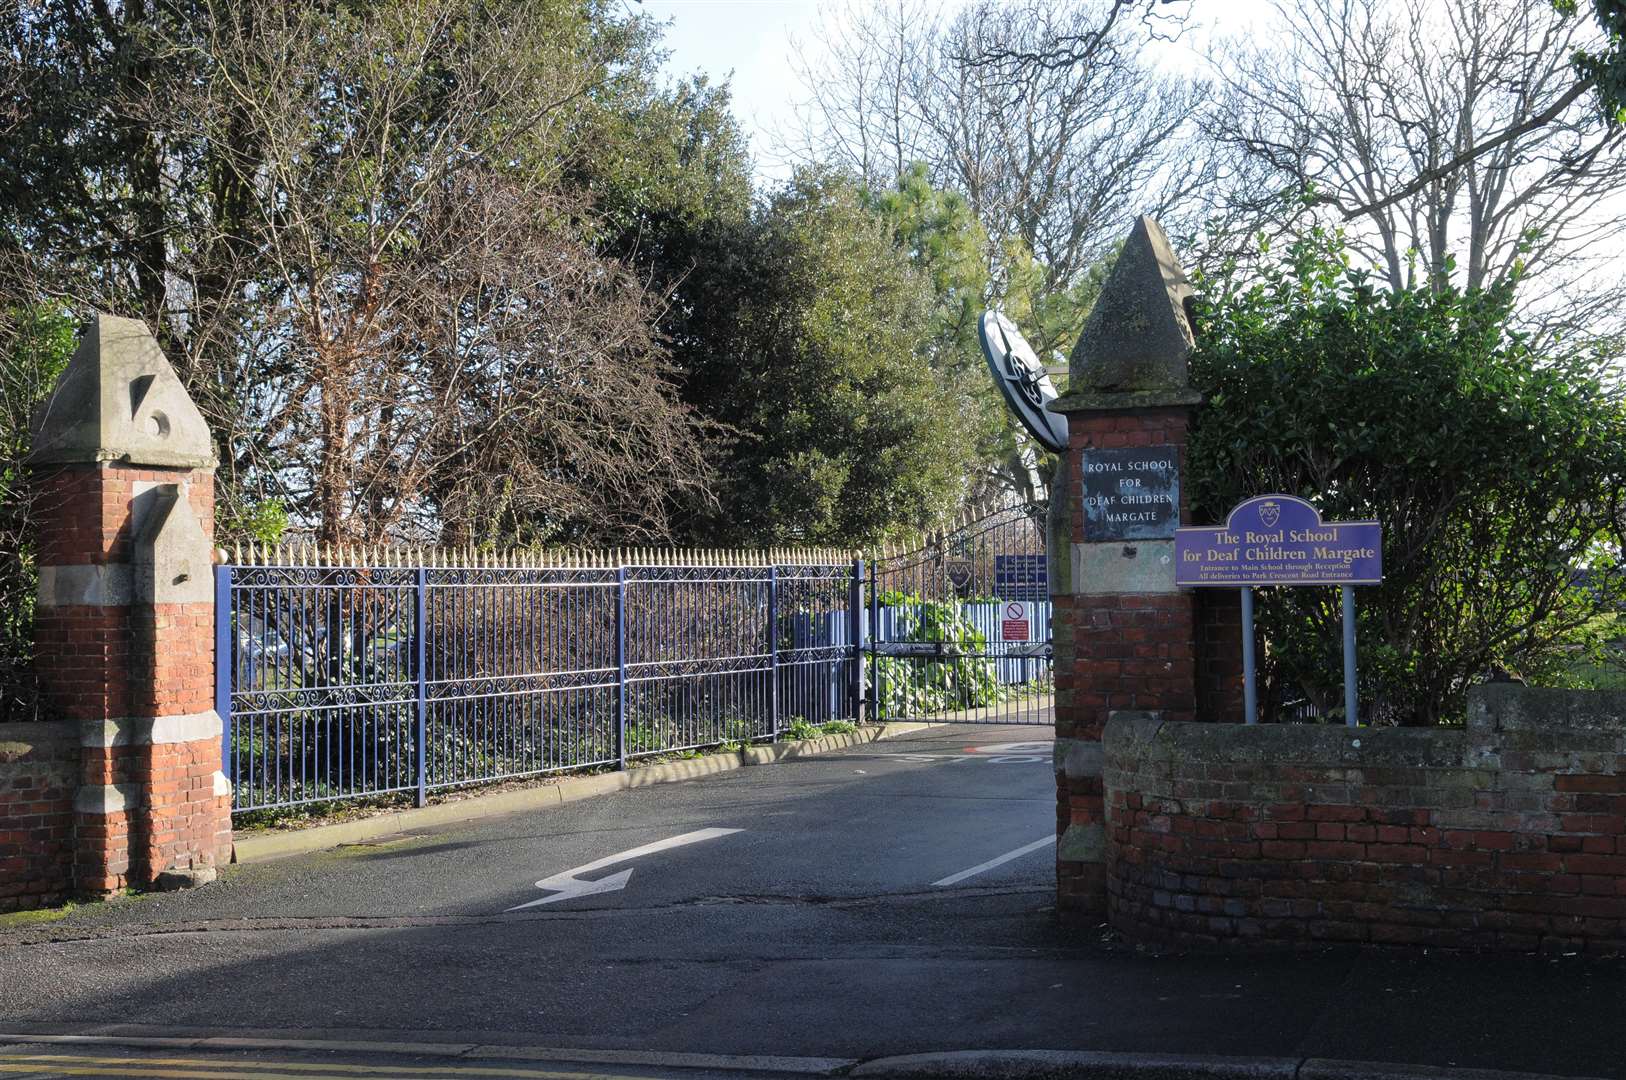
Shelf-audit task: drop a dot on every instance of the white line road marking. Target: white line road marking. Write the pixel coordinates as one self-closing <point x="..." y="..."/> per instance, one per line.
<point x="1011" y="748"/>
<point x="954" y="879"/>
<point x="1020" y="759"/>
<point x="565" y="886"/>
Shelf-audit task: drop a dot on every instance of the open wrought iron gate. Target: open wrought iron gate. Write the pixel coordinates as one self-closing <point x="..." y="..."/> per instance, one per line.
<point x="959" y="630"/>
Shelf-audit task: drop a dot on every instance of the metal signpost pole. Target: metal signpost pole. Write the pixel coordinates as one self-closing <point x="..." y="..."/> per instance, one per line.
<point x="1250" y="691"/>
<point x="1349" y="656"/>
<point x="855" y="636"/>
<point x="420" y="651"/>
<point x="621" y="667"/>
<point x="773" y="651"/>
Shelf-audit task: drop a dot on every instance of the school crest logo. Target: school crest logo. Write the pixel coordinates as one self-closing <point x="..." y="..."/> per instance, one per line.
<point x="1270" y="513"/>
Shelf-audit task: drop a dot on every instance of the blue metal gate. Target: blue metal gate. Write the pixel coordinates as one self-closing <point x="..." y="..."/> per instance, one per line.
<point x="962" y="625"/>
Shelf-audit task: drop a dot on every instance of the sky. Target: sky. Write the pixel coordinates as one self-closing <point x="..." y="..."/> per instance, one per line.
<point x="753" y="39"/>
<point x="752" y="43"/>
<point x="756" y="40"/>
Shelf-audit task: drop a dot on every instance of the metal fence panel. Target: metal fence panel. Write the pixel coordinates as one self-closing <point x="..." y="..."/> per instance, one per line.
<point x="358" y="680"/>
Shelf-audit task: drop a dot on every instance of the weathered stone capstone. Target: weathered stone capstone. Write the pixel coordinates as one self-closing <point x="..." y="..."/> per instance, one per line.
<point x="120" y="400"/>
<point x="1134" y="347"/>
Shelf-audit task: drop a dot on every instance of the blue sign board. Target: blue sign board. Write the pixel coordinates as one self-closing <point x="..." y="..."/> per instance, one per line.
<point x="1279" y="540"/>
<point x="1022" y="577"/>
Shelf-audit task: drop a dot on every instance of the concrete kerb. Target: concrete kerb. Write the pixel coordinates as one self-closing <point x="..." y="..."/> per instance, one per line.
<point x="1103" y="1065"/>
<point x="262" y="847"/>
<point x="1072" y="1064"/>
<point x="953" y="1065"/>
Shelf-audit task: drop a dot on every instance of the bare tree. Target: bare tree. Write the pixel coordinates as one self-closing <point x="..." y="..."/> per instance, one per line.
<point x="437" y="351"/>
<point x="1044" y="116"/>
<point x="1449" y="135"/>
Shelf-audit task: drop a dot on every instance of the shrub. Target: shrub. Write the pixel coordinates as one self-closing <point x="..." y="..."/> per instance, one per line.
<point x="1494" y="468"/>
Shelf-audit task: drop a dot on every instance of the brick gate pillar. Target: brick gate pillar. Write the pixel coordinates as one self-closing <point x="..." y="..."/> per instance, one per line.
<point x="123" y="467"/>
<point x="1125" y="637"/>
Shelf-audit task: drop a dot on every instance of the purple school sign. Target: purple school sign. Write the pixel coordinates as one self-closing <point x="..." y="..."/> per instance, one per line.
<point x="1279" y="540"/>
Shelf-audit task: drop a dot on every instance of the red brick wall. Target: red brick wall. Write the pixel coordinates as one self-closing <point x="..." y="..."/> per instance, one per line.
<point x="1129" y="650"/>
<point x="182" y="667"/>
<point x="83" y="511"/>
<point x="82" y="661"/>
<point x="39" y="776"/>
<point x="187" y="825"/>
<point x="1219" y="656"/>
<point x="1509" y="834"/>
<point x="127" y="662"/>
<point x="1174" y="652"/>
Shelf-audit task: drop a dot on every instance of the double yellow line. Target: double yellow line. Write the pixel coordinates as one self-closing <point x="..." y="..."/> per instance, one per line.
<point x="220" y="1068"/>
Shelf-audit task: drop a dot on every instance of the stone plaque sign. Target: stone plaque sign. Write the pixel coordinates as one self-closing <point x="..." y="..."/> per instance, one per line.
<point x="1131" y="494"/>
<point x="1279" y="540"/>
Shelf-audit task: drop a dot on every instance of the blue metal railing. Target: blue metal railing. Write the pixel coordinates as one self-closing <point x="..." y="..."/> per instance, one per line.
<point x="358" y="677"/>
<point x="352" y="677"/>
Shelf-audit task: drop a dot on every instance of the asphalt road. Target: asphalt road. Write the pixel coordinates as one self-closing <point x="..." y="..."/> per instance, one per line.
<point x="821" y="907"/>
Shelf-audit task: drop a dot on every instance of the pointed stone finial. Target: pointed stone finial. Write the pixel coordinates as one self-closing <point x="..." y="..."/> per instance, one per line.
<point x="1135" y="344"/>
<point x="119" y="400"/>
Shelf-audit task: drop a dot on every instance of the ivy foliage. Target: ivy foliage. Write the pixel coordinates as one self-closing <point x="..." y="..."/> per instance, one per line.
<point x="35" y="344"/>
<point x="1496" y="474"/>
<point x="1605" y="69"/>
<point x="909" y="686"/>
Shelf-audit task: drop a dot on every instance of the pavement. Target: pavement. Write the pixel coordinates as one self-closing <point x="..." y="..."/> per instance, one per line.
<point x="884" y="910"/>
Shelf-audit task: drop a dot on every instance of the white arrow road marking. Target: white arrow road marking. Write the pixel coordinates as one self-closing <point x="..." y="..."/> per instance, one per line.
<point x="565" y="886"/>
<point x="1011" y="748"/>
<point x="954" y="879"/>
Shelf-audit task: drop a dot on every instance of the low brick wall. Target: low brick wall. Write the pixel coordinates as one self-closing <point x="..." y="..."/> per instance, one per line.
<point x="39" y="777"/>
<point x="1509" y="834"/>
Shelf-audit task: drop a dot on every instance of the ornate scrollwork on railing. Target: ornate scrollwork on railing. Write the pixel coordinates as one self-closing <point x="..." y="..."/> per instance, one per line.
<point x="942" y="547"/>
<point x="496" y="686"/>
<point x="814" y="654"/>
<point x="720" y="575"/>
<point x="322" y="577"/>
<point x="305" y="699"/>
<point x="685" y="669"/>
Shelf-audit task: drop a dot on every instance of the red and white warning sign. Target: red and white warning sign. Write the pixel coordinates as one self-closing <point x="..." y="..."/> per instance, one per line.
<point x="1014" y="623"/>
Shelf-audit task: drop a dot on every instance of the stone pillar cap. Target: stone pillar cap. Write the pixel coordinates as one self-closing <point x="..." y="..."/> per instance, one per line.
<point x="120" y="400"/>
<point x="1133" y="350"/>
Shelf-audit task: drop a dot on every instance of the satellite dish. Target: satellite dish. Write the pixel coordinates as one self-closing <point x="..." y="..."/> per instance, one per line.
<point x="1022" y="379"/>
